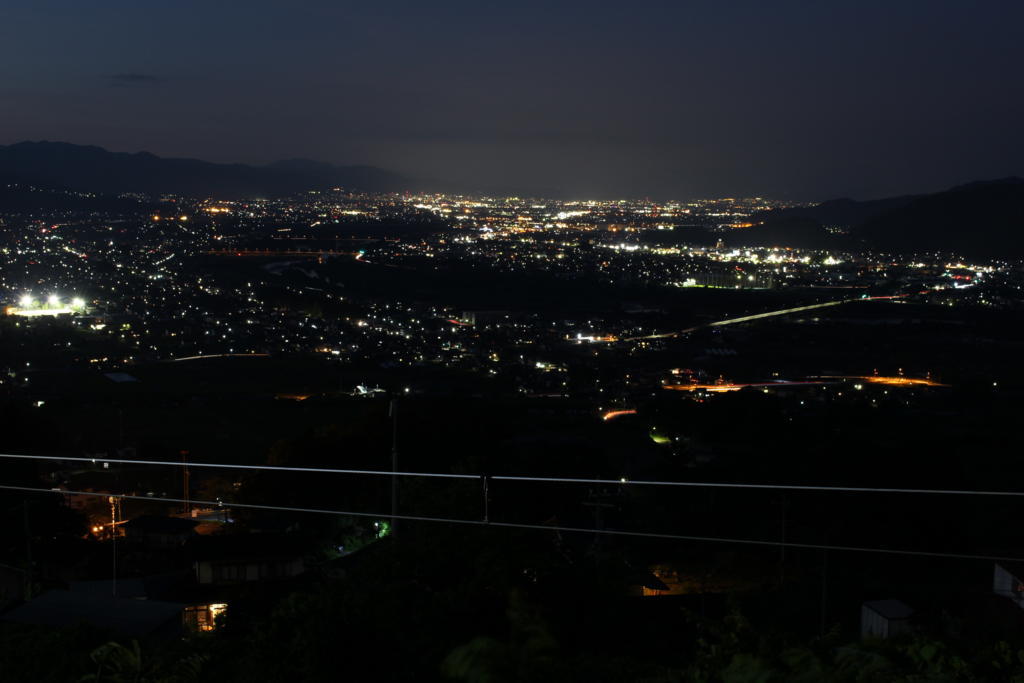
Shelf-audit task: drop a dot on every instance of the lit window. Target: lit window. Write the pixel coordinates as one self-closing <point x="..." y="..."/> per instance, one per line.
<point x="204" y="617"/>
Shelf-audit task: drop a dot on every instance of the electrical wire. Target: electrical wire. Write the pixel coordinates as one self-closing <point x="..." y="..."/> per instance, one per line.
<point x="782" y="487"/>
<point x="220" y="465"/>
<point x="563" y="480"/>
<point x="535" y="527"/>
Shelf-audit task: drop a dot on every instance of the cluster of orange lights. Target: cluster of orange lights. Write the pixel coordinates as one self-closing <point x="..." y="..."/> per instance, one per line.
<point x="612" y="414"/>
<point x="901" y="381"/>
<point x="721" y="386"/>
<point x="718" y="388"/>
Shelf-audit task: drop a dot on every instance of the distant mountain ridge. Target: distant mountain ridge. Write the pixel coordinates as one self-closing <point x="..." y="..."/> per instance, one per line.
<point x="978" y="219"/>
<point x="94" y="169"/>
<point x="983" y="218"/>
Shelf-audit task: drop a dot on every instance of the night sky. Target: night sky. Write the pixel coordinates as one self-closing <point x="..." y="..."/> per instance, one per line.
<point x="805" y="100"/>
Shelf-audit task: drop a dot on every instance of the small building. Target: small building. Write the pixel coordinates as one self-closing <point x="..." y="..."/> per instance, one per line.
<point x="125" y="617"/>
<point x="151" y="587"/>
<point x="885" y="618"/>
<point x="201" y="608"/>
<point x="159" y="532"/>
<point x="646" y="584"/>
<point x="1006" y="584"/>
<point x="241" y="558"/>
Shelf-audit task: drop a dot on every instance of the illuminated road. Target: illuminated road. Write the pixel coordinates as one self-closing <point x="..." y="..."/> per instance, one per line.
<point x="729" y="386"/>
<point x="277" y="252"/>
<point x="612" y="414"/>
<point x="891" y="380"/>
<point x="761" y="316"/>
<point x="219" y="355"/>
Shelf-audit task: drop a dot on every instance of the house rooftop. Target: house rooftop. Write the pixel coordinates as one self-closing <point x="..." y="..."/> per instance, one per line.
<point x="156" y="524"/>
<point x="890" y="609"/>
<point x="121" y="615"/>
<point x="242" y="547"/>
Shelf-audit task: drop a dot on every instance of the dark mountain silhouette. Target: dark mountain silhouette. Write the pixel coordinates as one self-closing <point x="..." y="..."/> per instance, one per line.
<point x="789" y="231"/>
<point x="984" y="218"/>
<point x="819" y="226"/>
<point x="842" y="213"/>
<point x="94" y="169"/>
<point x="978" y="219"/>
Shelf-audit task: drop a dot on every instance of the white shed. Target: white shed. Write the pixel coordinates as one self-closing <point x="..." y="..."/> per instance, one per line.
<point x="884" y="618"/>
<point x="1006" y="583"/>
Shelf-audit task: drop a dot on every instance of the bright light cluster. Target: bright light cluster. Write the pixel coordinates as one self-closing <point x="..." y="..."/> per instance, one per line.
<point x="53" y="305"/>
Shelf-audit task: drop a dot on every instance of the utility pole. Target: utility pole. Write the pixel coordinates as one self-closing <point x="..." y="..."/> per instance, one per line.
<point x="28" y="554"/>
<point x="485" y="481"/>
<point x="393" y="412"/>
<point x="824" y="588"/>
<point x="185" y="483"/>
<point x="782" y="547"/>
<point x="598" y="502"/>
<point x="113" y="545"/>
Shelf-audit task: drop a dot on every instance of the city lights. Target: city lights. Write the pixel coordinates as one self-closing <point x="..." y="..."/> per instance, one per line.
<point x="422" y="341"/>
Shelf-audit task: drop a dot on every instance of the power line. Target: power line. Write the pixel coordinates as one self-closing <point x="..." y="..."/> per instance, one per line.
<point x="563" y="480"/>
<point x="540" y="527"/>
<point x="783" y="487"/>
<point x="220" y="465"/>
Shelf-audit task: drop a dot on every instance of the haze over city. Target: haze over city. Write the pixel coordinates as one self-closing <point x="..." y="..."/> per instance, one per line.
<point x="672" y="100"/>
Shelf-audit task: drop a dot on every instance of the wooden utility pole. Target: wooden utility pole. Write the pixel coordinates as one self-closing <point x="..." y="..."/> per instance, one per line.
<point x="113" y="545"/>
<point x="393" y="412"/>
<point x="782" y="546"/>
<point x="28" y="555"/>
<point x="824" y="588"/>
<point x="185" y="482"/>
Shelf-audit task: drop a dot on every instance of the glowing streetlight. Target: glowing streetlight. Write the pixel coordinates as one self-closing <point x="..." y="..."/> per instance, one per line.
<point x="26" y="301"/>
<point x="78" y="302"/>
<point x="52" y="300"/>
